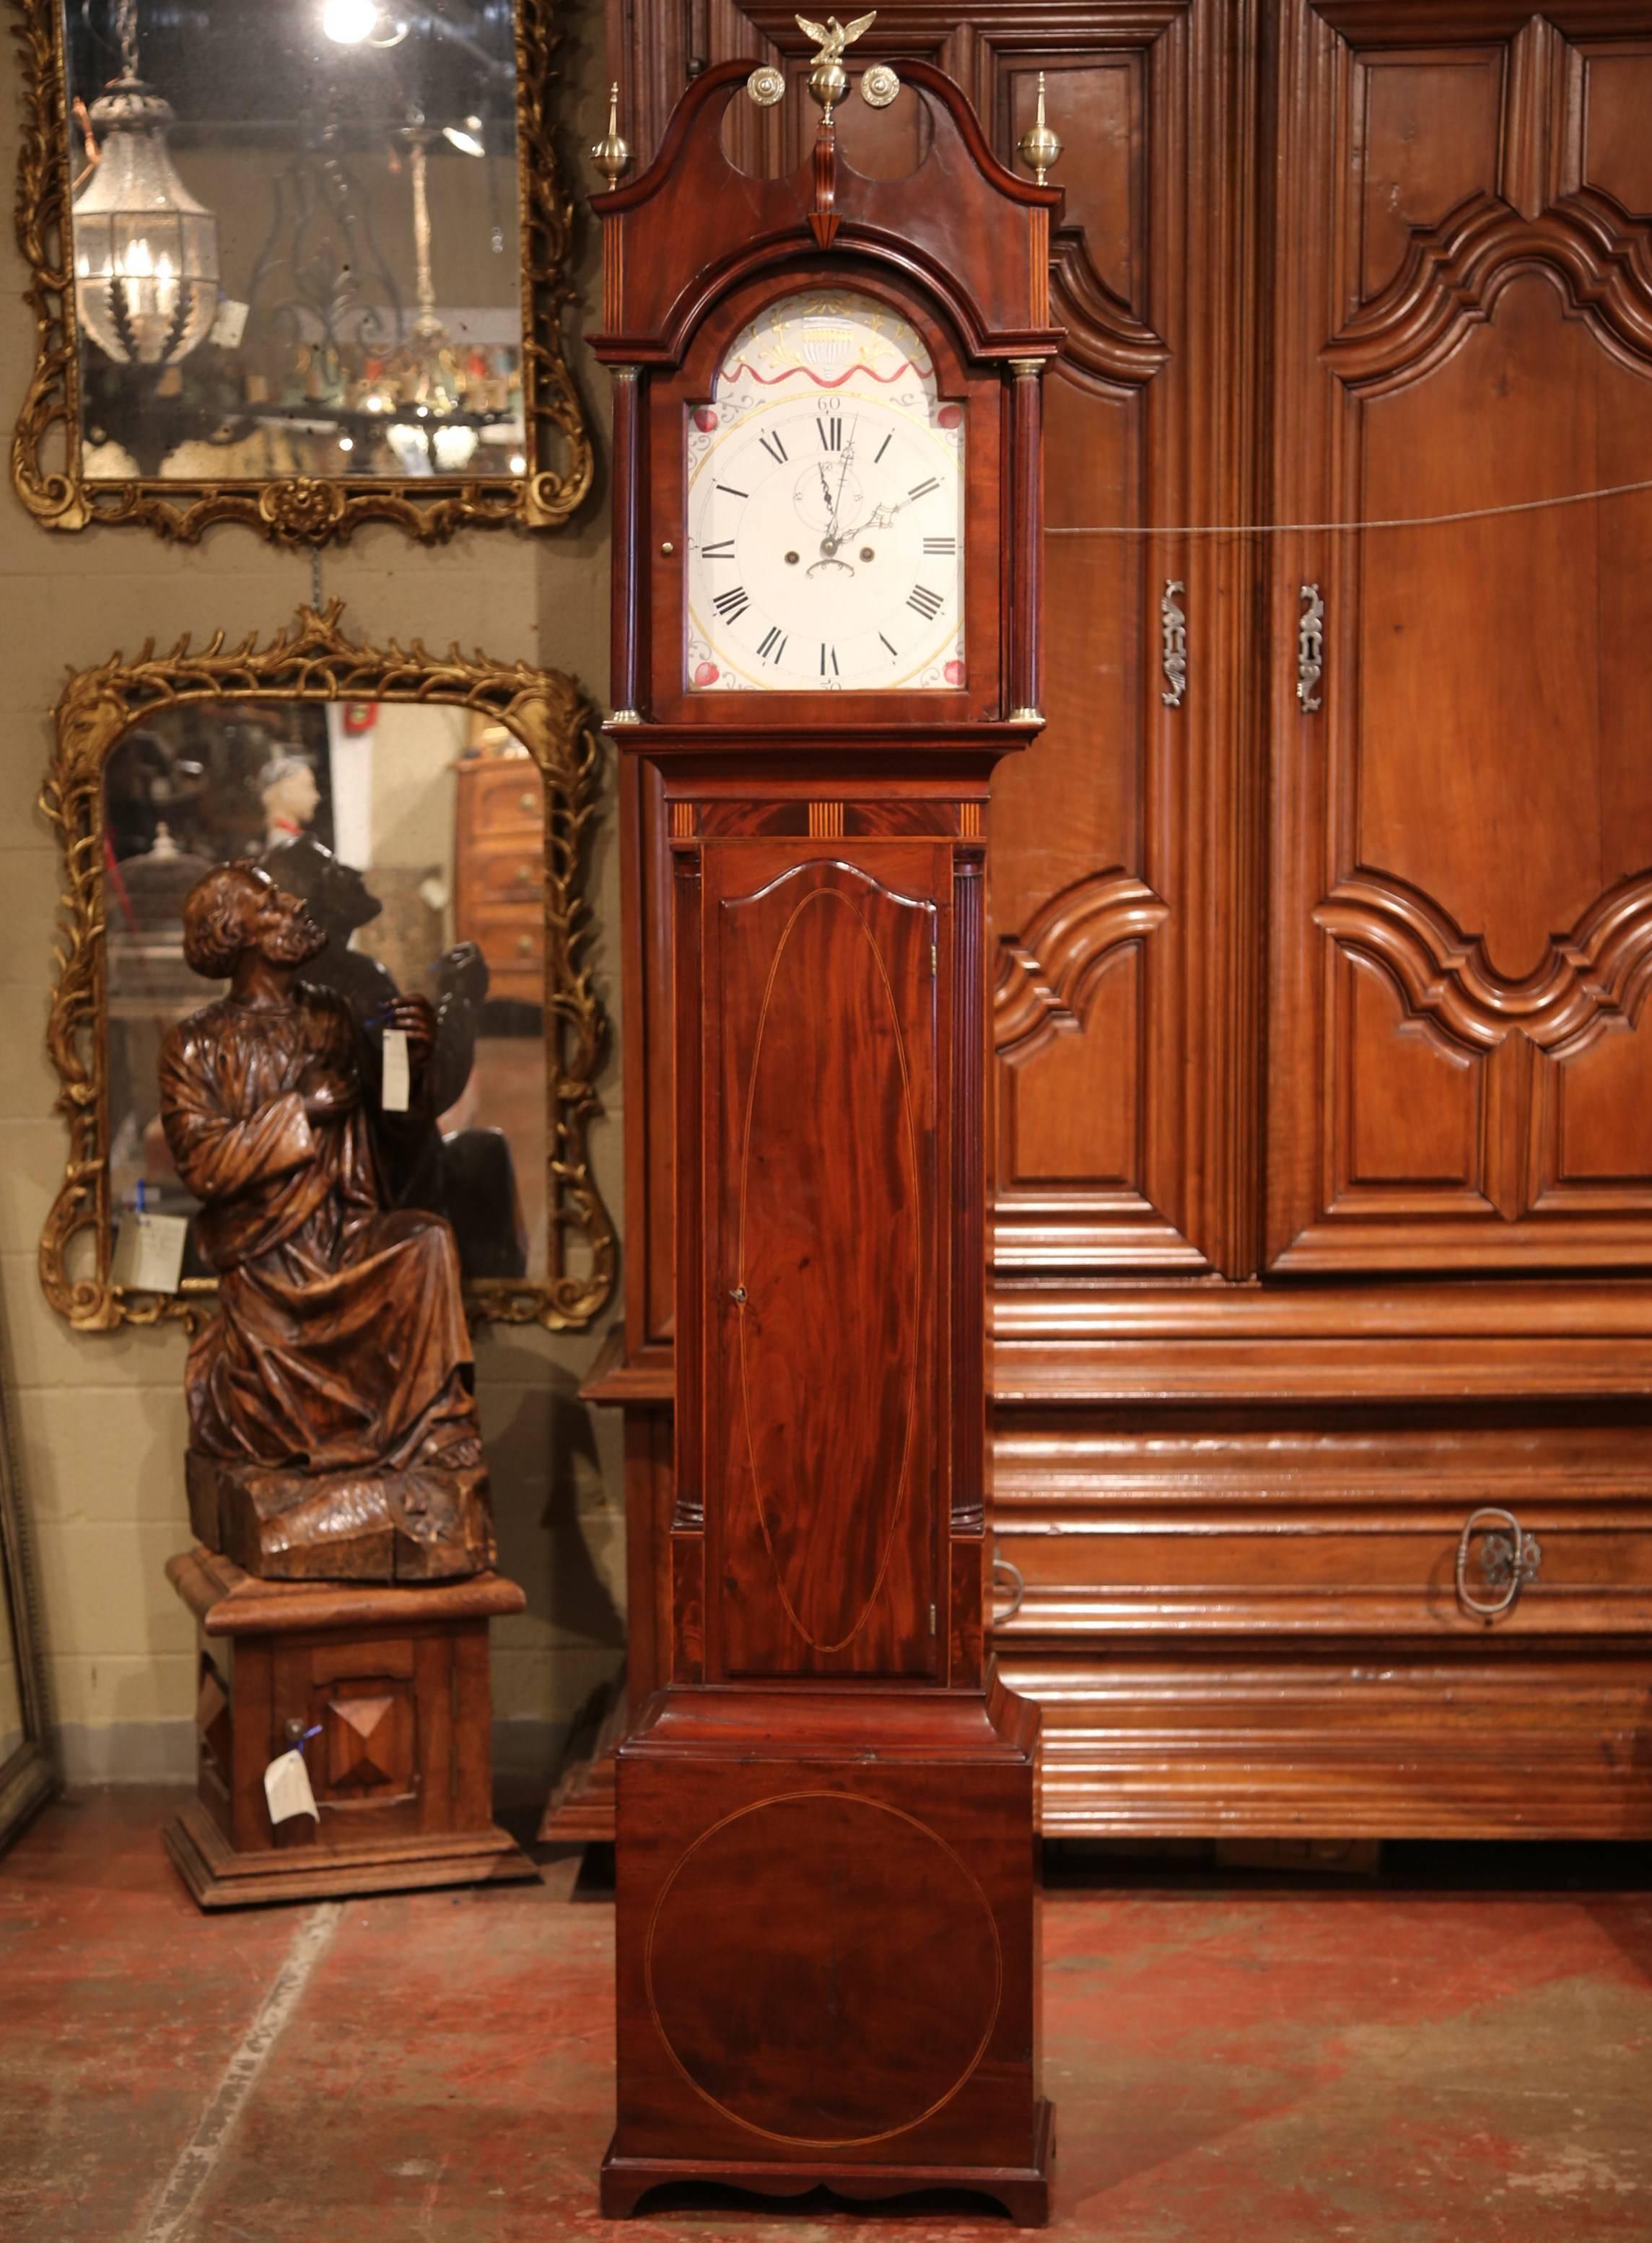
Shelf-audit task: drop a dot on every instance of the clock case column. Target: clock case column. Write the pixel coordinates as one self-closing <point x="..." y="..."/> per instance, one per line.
<point x="827" y="1874"/>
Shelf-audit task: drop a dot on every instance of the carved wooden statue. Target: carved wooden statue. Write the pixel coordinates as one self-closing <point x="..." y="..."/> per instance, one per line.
<point x="332" y="1426"/>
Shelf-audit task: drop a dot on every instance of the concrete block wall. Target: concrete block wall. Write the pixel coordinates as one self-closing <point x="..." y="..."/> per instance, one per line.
<point x="97" y="1421"/>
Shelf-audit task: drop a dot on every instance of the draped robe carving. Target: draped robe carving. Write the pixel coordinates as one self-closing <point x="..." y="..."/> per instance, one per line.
<point x="333" y="1427"/>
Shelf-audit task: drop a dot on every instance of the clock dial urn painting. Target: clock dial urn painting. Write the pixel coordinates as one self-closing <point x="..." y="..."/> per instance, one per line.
<point x="825" y="634"/>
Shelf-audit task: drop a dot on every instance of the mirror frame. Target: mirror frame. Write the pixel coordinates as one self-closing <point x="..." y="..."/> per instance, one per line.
<point x="29" y="1776"/>
<point x="297" y="510"/>
<point x="313" y="660"/>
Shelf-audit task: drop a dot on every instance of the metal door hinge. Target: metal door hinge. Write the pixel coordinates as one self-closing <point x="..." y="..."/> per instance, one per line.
<point x="932" y="1618"/>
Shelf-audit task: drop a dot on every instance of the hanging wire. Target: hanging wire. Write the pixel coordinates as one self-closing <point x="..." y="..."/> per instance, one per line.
<point x="1339" y="529"/>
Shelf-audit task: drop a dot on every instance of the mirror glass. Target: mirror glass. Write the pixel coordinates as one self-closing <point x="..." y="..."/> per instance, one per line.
<point x="296" y="238"/>
<point x="417" y="835"/>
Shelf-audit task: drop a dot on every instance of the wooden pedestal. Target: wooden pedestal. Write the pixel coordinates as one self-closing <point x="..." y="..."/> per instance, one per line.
<point x="827" y="1946"/>
<point x="396" y="1682"/>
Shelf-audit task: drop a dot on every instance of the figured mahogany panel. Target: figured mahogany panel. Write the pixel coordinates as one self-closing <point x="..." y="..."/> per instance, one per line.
<point x="820" y="1007"/>
<point x="825" y="1952"/>
<point x="1466" y="324"/>
<point x="851" y="1997"/>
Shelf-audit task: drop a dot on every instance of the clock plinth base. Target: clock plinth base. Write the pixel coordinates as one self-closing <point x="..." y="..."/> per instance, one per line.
<point x="827" y="1938"/>
<point x="1023" y="2192"/>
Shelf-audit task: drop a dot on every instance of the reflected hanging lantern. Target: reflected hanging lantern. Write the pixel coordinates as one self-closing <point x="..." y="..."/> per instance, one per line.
<point x="146" y="251"/>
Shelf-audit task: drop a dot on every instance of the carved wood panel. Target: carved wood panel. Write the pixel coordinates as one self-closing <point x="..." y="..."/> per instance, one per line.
<point x="1462" y="903"/>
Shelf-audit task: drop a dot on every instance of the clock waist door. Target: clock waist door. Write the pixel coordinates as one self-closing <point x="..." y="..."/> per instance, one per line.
<point x="823" y="1079"/>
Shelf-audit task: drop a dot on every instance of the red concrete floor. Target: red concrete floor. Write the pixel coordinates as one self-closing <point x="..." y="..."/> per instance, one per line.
<point x="1233" y="2063"/>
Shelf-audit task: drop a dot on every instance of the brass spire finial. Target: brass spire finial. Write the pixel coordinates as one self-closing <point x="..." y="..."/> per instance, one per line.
<point x="1038" y="147"/>
<point x="828" y="80"/>
<point x="611" y="155"/>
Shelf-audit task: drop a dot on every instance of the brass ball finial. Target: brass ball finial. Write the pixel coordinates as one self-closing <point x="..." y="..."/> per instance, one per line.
<point x="1038" y="147"/>
<point x="611" y="155"/>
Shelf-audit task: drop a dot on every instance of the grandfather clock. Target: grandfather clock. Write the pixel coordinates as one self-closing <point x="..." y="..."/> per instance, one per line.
<point x="828" y="502"/>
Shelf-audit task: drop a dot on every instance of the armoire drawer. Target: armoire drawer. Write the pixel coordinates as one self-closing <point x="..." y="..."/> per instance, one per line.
<point x="505" y="796"/>
<point x="1539" y="1570"/>
<point x="505" y="877"/>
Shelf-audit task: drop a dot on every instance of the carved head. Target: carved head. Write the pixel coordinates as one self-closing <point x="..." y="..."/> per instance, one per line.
<point x="335" y="891"/>
<point x="288" y="787"/>
<point x="237" y="908"/>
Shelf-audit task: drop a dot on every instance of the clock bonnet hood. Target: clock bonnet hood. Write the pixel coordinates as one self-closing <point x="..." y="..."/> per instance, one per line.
<point x="693" y="227"/>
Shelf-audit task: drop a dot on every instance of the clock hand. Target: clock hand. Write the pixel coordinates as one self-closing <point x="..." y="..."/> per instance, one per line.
<point x="843" y="473"/>
<point x="880" y="518"/>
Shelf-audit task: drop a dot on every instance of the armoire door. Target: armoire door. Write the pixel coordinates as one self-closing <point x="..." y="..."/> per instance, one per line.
<point x="1461" y="1070"/>
<point x="1123" y="914"/>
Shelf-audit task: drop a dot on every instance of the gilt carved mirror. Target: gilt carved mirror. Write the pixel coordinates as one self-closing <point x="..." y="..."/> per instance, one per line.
<point x="433" y="812"/>
<point x="298" y="263"/>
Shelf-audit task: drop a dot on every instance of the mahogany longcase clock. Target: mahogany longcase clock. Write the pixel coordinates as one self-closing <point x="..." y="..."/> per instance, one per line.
<point x="827" y="501"/>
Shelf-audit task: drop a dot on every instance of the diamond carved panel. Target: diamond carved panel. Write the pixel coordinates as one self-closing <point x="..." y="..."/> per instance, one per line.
<point x="368" y="1737"/>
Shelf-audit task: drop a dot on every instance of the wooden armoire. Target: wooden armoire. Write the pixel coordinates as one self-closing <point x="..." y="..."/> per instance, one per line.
<point x="1320" y="1157"/>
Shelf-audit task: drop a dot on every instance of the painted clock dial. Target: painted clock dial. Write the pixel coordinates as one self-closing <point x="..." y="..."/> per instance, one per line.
<point x="826" y="530"/>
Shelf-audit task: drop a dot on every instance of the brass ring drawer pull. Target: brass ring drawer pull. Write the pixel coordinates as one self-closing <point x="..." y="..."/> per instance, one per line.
<point x="1017" y="1588"/>
<point x="1507" y="1561"/>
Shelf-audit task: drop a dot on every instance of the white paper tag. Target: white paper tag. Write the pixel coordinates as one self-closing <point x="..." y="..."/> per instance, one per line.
<point x="149" y="1251"/>
<point x="230" y="325"/>
<point x="398" y="1077"/>
<point x="286" y="1787"/>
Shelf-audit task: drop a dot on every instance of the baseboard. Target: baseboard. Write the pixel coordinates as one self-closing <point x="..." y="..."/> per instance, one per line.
<point x="127" y="1752"/>
<point x="526" y="1751"/>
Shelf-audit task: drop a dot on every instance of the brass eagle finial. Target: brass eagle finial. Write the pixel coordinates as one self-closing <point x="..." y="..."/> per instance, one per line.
<point x="828" y="80"/>
<point x="831" y="37"/>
